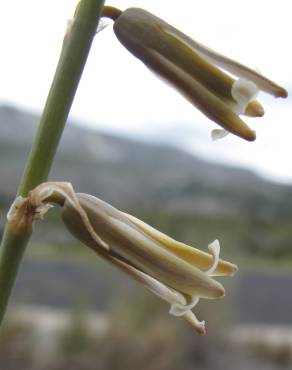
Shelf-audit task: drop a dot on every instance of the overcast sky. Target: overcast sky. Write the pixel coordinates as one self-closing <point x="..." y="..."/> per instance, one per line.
<point x="118" y="93"/>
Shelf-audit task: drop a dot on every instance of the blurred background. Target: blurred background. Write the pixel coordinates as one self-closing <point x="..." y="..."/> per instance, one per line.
<point x="137" y="144"/>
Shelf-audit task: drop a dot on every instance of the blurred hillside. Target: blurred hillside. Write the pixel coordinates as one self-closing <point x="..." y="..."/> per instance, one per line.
<point x="190" y="199"/>
<point x="129" y="172"/>
<point x="175" y="191"/>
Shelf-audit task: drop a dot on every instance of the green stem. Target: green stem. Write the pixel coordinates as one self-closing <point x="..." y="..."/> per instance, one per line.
<point x="11" y="255"/>
<point x="67" y="76"/>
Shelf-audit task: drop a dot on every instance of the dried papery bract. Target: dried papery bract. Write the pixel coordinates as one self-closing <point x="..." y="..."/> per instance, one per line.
<point x="176" y="272"/>
<point x="24" y="211"/>
<point x="195" y="70"/>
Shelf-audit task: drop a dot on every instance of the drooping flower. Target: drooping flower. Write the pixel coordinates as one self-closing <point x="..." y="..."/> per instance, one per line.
<point x="195" y="70"/>
<point x="174" y="271"/>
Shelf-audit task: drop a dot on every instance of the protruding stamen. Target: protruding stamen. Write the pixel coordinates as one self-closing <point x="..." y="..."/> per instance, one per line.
<point x="254" y="109"/>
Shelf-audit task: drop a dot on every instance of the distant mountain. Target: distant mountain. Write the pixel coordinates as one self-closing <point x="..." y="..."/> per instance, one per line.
<point x="131" y="173"/>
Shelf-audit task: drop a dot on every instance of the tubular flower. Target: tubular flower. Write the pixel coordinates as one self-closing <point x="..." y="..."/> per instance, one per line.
<point x="176" y="272"/>
<point x="195" y="70"/>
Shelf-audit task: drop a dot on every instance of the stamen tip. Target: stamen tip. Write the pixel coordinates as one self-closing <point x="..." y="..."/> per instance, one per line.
<point x="281" y="93"/>
<point x="202" y="329"/>
<point x="215" y="246"/>
<point x="198" y="326"/>
<point x="235" y="269"/>
<point x="254" y="109"/>
<point x="250" y="136"/>
<point x="220" y="291"/>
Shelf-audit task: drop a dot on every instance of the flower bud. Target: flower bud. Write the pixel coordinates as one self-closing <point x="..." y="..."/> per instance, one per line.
<point x="195" y="70"/>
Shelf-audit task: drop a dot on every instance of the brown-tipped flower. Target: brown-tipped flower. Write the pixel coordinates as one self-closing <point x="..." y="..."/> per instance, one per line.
<point x="195" y="71"/>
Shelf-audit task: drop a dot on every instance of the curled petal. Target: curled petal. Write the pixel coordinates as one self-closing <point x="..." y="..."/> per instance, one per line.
<point x="243" y="91"/>
<point x="215" y="250"/>
<point x="190" y="254"/>
<point x="178" y="309"/>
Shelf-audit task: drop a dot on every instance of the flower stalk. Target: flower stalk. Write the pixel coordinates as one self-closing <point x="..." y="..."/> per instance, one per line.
<point x="76" y="46"/>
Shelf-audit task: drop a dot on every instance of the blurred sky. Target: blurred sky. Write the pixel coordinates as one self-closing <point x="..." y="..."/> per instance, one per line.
<point x="118" y="93"/>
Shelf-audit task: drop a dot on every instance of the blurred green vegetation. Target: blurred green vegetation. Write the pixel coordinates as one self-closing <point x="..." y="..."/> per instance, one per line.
<point x="133" y="339"/>
<point x="16" y="345"/>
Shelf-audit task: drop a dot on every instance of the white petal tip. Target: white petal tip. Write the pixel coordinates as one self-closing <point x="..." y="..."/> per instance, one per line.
<point x="243" y="91"/>
<point x="218" y="134"/>
<point x="235" y="269"/>
<point x="214" y="247"/>
<point x="102" y="24"/>
<point x="69" y="23"/>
